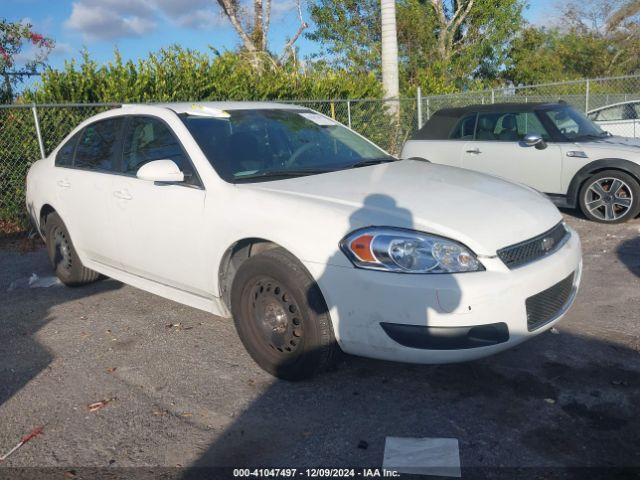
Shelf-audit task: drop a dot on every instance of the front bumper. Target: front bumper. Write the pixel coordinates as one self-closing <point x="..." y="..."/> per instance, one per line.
<point x="373" y="312"/>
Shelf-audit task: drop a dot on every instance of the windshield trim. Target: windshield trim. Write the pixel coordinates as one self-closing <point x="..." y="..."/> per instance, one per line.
<point x="275" y="174"/>
<point x="555" y="133"/>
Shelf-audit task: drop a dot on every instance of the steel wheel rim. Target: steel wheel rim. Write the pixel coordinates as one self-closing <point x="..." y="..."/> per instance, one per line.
<point x="276" y="315"/>
<point x="609" y="199"/>
<point x="61" y="249"/>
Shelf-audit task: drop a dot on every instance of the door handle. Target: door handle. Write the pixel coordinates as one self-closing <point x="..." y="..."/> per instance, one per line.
<point x="122" y="195"/>
<point x="474" y="150"/>
<point x="63" y="183"/>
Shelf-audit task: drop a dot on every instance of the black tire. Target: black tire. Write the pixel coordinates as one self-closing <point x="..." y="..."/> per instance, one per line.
<point x="281" y="316"/>
<point x="63" y="256"/>
<point x="610" y="211"/>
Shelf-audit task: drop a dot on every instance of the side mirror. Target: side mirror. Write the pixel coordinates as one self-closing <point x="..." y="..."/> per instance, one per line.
<point x="160" y="171"/>
<point x="534" y="141"/>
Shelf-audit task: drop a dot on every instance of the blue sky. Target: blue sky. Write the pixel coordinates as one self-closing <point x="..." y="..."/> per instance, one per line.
<point x="139" y="26"/>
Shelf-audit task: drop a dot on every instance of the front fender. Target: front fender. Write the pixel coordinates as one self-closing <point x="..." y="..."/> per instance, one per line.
<point x="597" y="166"/>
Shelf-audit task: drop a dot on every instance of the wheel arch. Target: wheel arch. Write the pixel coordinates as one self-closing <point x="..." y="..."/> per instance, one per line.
<point x="45" y="210"/>
<point x="233" y="257"/>
<point x="597" y="166"/>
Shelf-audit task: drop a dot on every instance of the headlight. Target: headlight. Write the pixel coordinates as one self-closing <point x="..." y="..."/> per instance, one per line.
<point x="399" y="250"/>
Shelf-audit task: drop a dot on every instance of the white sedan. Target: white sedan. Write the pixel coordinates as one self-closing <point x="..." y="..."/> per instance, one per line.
<point x="310" y="236"/>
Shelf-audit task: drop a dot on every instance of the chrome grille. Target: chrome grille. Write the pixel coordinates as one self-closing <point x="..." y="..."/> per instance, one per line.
<point x="535" y="248"/>
<point x="548" y="304"/>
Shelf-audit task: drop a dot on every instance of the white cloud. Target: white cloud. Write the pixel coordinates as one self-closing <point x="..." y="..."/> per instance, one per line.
<point x="110" y="19"/>
<point x="62" y="49"/>
<point x="201" y="19"/>
<point x="182" y="7"/>
<point x="283" y="8"/>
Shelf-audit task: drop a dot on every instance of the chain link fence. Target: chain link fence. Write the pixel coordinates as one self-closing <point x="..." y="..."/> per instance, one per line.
<point x="27" y="132"/>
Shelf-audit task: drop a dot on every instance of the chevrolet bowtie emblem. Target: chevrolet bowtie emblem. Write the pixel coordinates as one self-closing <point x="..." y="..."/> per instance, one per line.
<point x="547" y="244"/>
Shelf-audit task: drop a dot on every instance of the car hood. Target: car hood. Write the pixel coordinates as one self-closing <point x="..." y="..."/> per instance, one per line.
<point x="612" y="145"/>
<point x="483" y="212"/>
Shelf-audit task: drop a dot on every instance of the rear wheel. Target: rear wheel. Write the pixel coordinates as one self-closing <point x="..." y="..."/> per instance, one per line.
<point x="281" y="317"/>
<point x="63" y="256"/>
<point x="610" y="197"/>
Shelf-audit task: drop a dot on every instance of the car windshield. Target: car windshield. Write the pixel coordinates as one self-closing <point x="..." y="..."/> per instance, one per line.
<point x="572" y="124"/>
<point x="269" y="144"/>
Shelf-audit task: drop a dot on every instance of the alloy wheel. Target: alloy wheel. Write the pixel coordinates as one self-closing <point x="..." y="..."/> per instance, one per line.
<point x="608" y="199"/>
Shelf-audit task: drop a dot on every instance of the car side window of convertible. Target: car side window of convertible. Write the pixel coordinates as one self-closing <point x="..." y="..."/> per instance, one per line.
<point x="147" y="139"/>
<point x="465" y="128"/>
<point x="509" y="126"/>
<point x="98" y="146"/>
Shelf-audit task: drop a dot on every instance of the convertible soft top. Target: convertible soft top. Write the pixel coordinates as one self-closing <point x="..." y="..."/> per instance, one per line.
<point x="443" y="121"/>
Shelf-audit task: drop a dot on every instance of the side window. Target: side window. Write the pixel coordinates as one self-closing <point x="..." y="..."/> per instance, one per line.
<point x="564" y="122"/>
<point x="529" y="124"/>
<point x="612" y="113"/>
<point x="487" y="124"/>
<point x="97" y="148"/>
<point x="64" y="158"/>
<point x="629" y="112"/>
<point x="148" y="139"/>
<point x="464" y="129"/>
<point x="509" y="127"/>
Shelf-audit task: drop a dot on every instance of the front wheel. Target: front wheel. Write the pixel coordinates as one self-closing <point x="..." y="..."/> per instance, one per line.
<point x="611" y="196"/>
<point x="281" y="316"/>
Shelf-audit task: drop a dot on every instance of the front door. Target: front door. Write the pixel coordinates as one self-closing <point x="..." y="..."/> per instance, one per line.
<point x="498" y="150"/>
<point x="161" y="228"/>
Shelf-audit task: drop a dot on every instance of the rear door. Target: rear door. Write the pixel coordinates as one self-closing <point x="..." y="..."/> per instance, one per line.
<point x="160" y="227"/>
<point x="84" y="188"/>
<point x="498" y="150"/>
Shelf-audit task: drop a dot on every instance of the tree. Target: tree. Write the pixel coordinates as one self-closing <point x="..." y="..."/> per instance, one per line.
<point x="596" y="39"/>
<point x="443" y="44"/>
<point x="390" y="79"/>
<point x="625" y="13"/>
<point x="349" y="33"/>
<point x="253" y="29"/>
<point x="14" y="36"/>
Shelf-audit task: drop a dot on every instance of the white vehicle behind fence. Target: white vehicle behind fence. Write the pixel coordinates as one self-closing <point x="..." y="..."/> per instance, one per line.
<point x="620" y="119"/>
<point x="309" y="235"/>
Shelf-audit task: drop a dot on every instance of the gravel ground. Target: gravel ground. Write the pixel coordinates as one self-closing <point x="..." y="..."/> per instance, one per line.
<point x="181" y="391"/>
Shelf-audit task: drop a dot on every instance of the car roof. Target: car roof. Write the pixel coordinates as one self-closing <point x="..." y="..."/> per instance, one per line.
<point x="611" y="105"/>
<point x="499" y="108"/>
<point x="184" y="107"/>
<point x="442" y="122"/>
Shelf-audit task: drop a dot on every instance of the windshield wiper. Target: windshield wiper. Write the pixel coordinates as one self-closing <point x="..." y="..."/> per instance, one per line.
<point x="598" y="135"/>
<point x="372" y="161"/>
<point x="280" y="174"/>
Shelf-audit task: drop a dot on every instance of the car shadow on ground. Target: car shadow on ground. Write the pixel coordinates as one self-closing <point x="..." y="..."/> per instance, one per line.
<point x="22" y="356"/>
<point x="629" y="254"/>
<point x="542" y="404"/>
